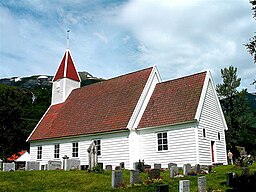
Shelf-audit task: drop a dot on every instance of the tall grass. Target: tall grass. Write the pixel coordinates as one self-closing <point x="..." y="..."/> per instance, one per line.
<point x="71" y="181"/>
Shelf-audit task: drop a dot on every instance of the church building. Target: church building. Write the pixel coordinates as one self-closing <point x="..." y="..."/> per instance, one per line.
<point x="131" y="117"/>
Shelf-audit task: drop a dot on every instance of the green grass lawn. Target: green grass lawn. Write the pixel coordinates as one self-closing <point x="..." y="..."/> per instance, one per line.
<point x="84" y="181"/>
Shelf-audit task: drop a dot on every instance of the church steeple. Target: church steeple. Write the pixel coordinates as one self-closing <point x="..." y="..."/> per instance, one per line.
<point x="67" y="68"/>
<point x="66" y="78"/>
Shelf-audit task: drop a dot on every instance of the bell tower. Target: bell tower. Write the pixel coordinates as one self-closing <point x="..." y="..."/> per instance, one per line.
<point x="65" y="80"/>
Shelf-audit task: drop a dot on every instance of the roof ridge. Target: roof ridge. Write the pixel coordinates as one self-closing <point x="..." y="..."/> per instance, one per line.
<point x="183" y="77"/>
<point x="107" y="80"/>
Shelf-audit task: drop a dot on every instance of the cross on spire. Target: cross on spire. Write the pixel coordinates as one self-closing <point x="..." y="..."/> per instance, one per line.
<point x="68" y="38"/>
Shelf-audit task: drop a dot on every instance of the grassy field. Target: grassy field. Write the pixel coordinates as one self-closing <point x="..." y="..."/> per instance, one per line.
<point x="61" y="181"/>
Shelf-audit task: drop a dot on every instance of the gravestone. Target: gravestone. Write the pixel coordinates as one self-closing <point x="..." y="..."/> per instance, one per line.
<point x="135" y="165"/>
<point x="173" y="171"/>
<point x="100" y="165"/>
<point x="8" y="166"/>
<point x="122" y="165"/>
<point x="117" y="168"/>
<point x="197" y="168"/>
<point x="201" y="184"/>
<point x="71" y="164"/>
<point x="154" y="174"/>
<point x="54" y="165"/>
<point x="184" y="186"/>
<point x="231" y="179"/>
<point x="147" y="166"/>
<point x="108" y="167"/>
<point x="32" y="165"/>
<point x="92" y="155"/>
<point x="186" y="169"/>
<point x="171" y="164"/>
<point x="157" y="165"/>
<point x="116" y="178"/>
<point x="162" y="188"/>
<point x="134" y="177"/>
<point x="1" y="164"/>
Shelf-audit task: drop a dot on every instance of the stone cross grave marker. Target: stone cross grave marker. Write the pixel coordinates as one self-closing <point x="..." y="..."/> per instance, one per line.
<point x="157" y="165"/>
<point x="116" y="178"/>
<point x="71" y="164"/>
<point x="92" y="155"/>
<point x="54" y="165"/>
<point x="134" y="177"/>
<point x="201" y="184"/>
<point x="32" y="165"/>
<point x="184" y="186"/>
<point x="8" y="166"/>
<point x="108" y="167"/>
<point x="173" y="171"/>
<point x="197" y="168"/>
<point x="154" y="174"/>
<point x="186" y="169"/>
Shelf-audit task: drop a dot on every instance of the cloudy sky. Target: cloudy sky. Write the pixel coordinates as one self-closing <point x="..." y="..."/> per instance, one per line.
<point x="110" y="37"/>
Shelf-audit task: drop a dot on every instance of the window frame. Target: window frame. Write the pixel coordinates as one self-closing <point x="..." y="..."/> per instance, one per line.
<point x="39" y="152"/>
<point x="162" y="141"/>
<point x="97" y="143"/>
<point x="56" y="152"/>
<point x="75" y="149"/>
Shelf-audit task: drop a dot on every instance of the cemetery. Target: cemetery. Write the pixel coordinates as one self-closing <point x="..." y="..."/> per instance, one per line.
<point x="68" y="174"/>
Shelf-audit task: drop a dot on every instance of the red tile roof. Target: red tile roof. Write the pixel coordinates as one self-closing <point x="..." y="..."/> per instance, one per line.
<point x="16" y="156"/>
<point x="67" y="68"/>
<point x="101" y="107"/>
<point x="174" y="101"/>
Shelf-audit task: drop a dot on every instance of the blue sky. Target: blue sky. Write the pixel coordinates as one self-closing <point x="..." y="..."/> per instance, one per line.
<point x="110" y="38"/>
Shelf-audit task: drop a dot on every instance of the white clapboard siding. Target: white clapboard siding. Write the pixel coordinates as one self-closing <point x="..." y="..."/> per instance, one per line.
<point x="181" y="146"/>
<point x="114" y="149"/>
<point x="211" y="121"/>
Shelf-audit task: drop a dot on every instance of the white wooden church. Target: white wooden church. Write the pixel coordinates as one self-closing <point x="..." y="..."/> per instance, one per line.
<point x="130" y="118"/>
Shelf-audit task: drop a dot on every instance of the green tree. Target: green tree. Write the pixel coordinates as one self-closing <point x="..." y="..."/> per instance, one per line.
<point x="236" y="109"/>
<point x="251" y="45"/>
<point x="13" y="128"/>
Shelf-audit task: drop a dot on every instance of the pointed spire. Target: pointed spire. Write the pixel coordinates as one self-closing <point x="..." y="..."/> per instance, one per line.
<point x="67" y="68"/>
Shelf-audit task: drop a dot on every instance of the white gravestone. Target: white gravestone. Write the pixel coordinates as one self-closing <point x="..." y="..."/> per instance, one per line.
<point x="173" y="171"/>
<point x="8" y="166"/>
<point x="54" y="165"/>
<point x="184" y="186"/>
<point x="186" y="169"/>
<point x="71" y="164"/>
<point x="116" y="178"/>
<point x="32" y="165"/>
<point x="202" y="184"/>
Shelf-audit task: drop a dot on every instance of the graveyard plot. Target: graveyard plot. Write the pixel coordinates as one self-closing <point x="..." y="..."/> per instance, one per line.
<point x="77" y="180"/>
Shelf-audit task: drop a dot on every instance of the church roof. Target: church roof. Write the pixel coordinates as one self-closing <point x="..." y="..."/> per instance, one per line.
<point x="174" y="101"/>
<point x="101" y="107"/>
<point x="67" y="68"/>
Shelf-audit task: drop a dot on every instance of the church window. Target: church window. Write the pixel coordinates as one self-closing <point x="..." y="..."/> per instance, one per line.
<point x="98" y="146"/>
<point x="219" y="136"/>
<point x="39" y="152"/>
<point x="204" y="134"/>
<point x="57" y="151"/>
<point x="75" y="149"/>
<point x="162" y="141"/>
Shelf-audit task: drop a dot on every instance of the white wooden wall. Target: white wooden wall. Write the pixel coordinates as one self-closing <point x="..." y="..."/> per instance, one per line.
<point x="181" y="145"/>
<point x="114" y="149"/>
<point x="211" y="121"/>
